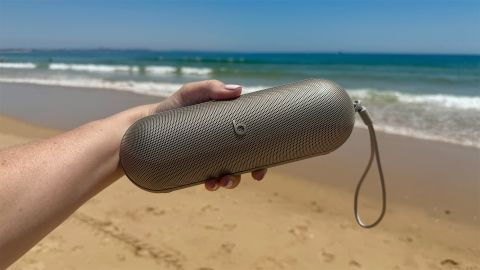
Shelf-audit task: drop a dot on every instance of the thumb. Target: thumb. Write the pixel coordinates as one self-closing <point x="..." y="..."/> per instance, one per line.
<point x="197" y="92"/>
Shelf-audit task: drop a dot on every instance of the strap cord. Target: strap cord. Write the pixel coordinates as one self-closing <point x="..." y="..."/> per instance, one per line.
<point x="362" y="111"/>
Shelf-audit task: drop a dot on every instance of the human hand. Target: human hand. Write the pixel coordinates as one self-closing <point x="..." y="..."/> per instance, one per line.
<point x="197" y="92"/>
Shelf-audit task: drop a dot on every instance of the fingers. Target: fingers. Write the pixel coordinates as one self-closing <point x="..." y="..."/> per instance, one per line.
<point x="212" y="184"/>
<point x="231" y="181"/>
<point x="197" y="92"/>
<point x="258" y="175"/>
<point x="227" y="181"/>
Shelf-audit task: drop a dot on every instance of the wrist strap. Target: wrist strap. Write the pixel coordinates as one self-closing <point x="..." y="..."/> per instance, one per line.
<point x="374" y="153"/>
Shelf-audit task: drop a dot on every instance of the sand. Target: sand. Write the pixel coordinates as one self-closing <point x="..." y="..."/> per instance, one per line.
<point x="299" y="217"/>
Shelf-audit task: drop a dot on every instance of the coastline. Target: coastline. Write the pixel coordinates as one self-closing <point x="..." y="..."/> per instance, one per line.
<point x="128" y="94"/>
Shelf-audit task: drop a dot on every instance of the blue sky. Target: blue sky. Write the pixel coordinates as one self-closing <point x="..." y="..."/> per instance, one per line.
<point x="421" y="26"/>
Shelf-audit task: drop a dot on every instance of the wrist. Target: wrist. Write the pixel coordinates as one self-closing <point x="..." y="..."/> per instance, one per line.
<point x="113" y="128"/>
<point x="120" y="122"/>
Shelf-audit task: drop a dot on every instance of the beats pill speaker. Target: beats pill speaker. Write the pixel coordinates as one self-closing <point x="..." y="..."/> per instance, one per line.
<point x="186" y="146"/>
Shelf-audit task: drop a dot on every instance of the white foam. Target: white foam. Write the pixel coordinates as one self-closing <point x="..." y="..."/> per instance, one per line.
<point x="18" y="65"/>
<point x="160" y="70"/>
<point x="196" y="71"/>
<point x="147" y="88"/>
<point x="416" y="133"/>
<point x="456" y="102"/>
<point x="92" y="67"/>
<point x="157" y="70"/>
<point x="440" y="100"/>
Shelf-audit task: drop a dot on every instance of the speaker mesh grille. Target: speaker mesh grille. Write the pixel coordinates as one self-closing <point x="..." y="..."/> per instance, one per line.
<point x="185" y="146"/>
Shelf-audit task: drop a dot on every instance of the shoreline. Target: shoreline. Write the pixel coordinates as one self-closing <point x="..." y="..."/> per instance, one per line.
<point x="126" y="99"/>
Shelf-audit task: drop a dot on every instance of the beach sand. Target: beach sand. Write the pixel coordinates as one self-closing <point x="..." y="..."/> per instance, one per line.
<point x="299" y="217"/>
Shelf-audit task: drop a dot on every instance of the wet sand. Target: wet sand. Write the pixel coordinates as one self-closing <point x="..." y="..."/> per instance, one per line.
<point x="64" y="108"/>
<point x="299" y="217"/>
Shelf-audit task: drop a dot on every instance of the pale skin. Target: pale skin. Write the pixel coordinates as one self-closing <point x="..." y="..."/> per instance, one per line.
<point x="43" y="183"/>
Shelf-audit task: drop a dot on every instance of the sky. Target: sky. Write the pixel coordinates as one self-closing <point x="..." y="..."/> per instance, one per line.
<point x="398" y="26"/>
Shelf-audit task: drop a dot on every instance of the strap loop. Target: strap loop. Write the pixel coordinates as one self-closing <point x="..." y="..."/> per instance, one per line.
<point x="362" y="111"/>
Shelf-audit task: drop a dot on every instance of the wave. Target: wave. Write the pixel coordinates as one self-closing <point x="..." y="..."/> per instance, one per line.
<point x="18" y="65"/>
<point x="196" y="71"/>
<point x="416" y="133"/>
<point x="93" y="67"/>
<point x="160" y="70"/>
<point x="97" y="68"/>
<point x="439" y="100"/>
<point x="373" y="96"/>
<point x="146" y="88"/>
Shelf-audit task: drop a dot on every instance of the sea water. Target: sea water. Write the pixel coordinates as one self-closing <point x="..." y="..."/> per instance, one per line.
<point x="434" y="97"/>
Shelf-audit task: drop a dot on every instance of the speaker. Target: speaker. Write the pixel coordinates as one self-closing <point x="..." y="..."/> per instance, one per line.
<point x="185" y="146"/>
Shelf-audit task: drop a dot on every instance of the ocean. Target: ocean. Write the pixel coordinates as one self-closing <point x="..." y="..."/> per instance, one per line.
<point x="434" y="97"/>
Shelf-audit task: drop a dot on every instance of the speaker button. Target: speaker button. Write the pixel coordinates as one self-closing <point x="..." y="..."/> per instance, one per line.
<point x="239" y="128"/>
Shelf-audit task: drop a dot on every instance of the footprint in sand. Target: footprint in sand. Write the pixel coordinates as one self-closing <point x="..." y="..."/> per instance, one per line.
<point x="166" y="256"/>
<point x="77" y="248"/>
<point x="227" y="247"/>
<point x="354" y="263"/>
<point x="449" y="262"/>
<point x="223" y="254"/>
<point x="225" y="227"/>
<point x="302" y="232"/>
<point x="268" y="263"/>
<point x="328" y="257"/>
<point x="406" y="239"/>
<point x="154" y="211"/>
<point x="208" y="208"/>
<point x="316" y="207"/>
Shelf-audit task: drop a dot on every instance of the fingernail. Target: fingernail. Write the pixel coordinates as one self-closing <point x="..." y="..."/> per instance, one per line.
<point x="229" y="183"/>
<point x="215" y="187"/>
<point x="232" y="86"/>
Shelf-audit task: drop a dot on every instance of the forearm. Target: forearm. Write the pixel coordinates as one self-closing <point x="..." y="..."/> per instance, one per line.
<point x="42" y="183"/>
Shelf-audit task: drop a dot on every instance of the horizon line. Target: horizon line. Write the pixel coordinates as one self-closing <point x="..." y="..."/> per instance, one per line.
<point x="238" y="52"/>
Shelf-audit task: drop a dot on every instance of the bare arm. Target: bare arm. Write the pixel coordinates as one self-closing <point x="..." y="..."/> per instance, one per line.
<point x="43" y="183"/>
